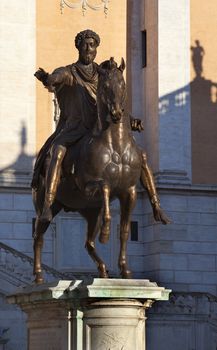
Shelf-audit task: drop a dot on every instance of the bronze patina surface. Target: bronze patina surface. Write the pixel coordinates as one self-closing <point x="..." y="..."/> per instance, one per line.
<point x="92" y="157"/>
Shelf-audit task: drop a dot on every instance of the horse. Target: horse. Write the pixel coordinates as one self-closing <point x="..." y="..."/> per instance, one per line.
<point x="107" y="165"/>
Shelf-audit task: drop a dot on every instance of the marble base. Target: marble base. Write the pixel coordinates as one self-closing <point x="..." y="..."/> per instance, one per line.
<point x="107" y="314"/>
<point x="114" y="324"/>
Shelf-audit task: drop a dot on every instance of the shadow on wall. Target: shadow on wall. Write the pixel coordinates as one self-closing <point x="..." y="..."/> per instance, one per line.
<point x="20" y="171"/>
<point x="203" y="110"/>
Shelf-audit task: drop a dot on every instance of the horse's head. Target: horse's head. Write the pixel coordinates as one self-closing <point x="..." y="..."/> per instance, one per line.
<point x="111" y="88"/>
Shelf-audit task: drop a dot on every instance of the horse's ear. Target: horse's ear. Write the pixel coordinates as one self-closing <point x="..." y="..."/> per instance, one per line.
<point x="122" y="65"/>
<point x="112" y="63"/>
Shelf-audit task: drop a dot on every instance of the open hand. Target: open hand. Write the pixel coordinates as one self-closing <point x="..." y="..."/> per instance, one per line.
<point x="41" y="74"/>
<point x="137" y="125"/>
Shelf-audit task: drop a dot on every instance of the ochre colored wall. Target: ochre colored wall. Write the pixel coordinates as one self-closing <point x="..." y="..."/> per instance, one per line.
<point x="204" y="92"/>
<point x="55" y="45"/>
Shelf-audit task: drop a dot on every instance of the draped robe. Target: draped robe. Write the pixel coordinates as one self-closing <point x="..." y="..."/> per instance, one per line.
<point x="76" y="96"/>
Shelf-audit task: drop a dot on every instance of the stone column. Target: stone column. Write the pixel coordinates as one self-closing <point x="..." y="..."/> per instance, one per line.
<point x="114" y="324"/>
<point x="107" y="314"/>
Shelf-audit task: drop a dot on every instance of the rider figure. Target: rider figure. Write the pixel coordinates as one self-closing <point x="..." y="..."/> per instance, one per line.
<point x="75" y="88"/>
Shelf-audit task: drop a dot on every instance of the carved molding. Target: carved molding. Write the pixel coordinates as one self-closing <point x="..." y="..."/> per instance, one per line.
<point x="84" y="4"/>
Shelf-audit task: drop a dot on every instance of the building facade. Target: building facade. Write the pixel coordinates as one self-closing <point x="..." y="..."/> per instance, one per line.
<point x="171" y="56"/>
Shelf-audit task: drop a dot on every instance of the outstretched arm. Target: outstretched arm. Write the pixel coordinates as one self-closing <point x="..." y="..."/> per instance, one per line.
<point x="51" y="80"/>
<point x="41" y="75"/>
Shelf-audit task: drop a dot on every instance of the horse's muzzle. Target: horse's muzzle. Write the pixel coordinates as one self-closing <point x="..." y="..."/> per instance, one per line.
<point x="116" y="114"/>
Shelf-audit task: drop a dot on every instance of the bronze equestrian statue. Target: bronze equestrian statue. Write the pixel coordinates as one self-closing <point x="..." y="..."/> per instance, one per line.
<point x="102" y="161"/>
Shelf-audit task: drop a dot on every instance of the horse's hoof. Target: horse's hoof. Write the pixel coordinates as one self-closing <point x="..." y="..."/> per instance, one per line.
<point x="39" y="279"/>
<point x="103" y="272"/>
<point x="126" y="274"/>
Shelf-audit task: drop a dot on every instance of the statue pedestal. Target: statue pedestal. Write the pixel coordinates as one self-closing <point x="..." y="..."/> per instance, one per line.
<point x="107" y="314"/>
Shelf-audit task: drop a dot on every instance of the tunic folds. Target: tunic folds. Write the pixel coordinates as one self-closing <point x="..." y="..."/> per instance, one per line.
<point x="75" y="88"/>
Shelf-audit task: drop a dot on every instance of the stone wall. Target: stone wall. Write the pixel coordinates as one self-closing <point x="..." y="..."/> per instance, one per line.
<point x="16" y="220"/>
<point x="186" y="321"/>
<point x="183" y="255"/>
<point x="12" y="326"/>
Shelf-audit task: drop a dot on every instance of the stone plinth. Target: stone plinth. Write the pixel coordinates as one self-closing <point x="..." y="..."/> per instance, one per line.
<point x="114" y="324"/>
<point x="107" y="314"/>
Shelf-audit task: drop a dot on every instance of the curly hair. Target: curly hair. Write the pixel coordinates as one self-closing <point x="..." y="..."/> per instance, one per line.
<point x="86" y="34"/>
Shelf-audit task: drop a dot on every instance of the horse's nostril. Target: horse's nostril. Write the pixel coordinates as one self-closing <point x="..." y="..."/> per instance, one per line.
<point x="116" y="116"/>
<point x="119" y="113"/>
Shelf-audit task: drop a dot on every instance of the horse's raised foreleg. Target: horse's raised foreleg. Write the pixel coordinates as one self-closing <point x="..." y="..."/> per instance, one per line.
<point x="106" y="219"/>
<point x="127" y="202"/>
<point x="94" y="221"/>
<point x="147" y="180"/>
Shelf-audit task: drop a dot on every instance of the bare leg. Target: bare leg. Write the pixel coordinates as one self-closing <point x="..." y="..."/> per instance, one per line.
<point x="127" y="202"/>
<point x="105" y="230"/>
<point x="52" y="180"/>
<point x="40" y="229"/>
<point x="147" y="181"/>
<point x="94" y="220"/>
